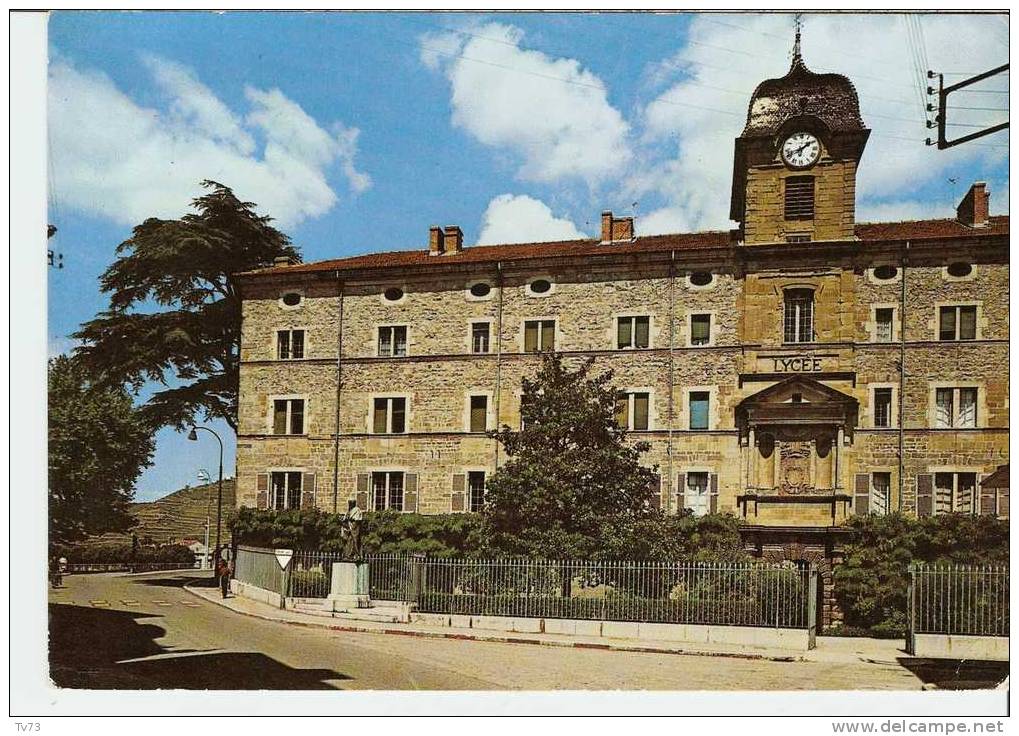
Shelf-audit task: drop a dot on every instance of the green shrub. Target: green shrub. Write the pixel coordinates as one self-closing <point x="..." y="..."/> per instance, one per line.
<point x="871" y="584"/>
<point x="117" y="553"/>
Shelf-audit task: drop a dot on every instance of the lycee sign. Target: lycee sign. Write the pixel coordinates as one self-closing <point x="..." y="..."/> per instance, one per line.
<point x="798" y="364"/>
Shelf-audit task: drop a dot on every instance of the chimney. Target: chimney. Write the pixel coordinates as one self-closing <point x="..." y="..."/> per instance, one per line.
<point x="616" y="229"/>
<point x="282" y="261"/>
<point x="973" y="210"/>
<point x="435" y="240"/>
<point x="452" y="240"/>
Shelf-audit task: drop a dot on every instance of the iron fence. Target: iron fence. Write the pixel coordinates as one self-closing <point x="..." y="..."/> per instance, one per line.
<point x="259" y="567"/>
<point x="390" y="577"/>
<point x="731" y="594"/>
<point x="958" y="599"/>
<point x="311" y="573"/>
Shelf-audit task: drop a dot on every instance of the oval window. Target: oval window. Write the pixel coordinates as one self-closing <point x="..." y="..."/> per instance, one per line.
<point x="960" y="269"/>
<point x="393" y="294"/>
<point x="292" y="299"/>
<point x="480" y="289"/>
<point x="540" y="286"/>
<point x="885" y="273"/>
<point x="701" y="278"/>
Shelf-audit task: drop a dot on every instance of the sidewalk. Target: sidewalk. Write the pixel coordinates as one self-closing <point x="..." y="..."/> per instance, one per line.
<point x="835" y="650"/>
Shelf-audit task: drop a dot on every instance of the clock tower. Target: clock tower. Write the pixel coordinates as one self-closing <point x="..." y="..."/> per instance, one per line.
<point x="794" y="168"/>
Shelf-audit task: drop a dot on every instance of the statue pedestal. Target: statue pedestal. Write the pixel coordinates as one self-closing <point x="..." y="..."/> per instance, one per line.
<point x="349" y="587"/>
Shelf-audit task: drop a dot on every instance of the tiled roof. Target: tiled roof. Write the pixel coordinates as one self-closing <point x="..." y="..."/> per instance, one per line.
<point x="715" y="239"/>
<point x="997" y="479"/>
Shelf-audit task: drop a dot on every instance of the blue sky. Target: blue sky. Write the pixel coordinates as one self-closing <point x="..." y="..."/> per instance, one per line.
<point x="358" y="131"/>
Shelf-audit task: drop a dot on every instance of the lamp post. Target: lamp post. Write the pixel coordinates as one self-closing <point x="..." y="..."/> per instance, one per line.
<point x="193" y="436"/>
<point x="203" y="475"/>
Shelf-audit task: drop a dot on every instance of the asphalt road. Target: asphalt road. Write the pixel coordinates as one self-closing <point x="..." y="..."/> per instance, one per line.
<point x="145" y="632"/>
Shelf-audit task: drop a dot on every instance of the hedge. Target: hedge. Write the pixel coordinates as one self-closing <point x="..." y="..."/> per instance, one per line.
<point x="117" y="553"/>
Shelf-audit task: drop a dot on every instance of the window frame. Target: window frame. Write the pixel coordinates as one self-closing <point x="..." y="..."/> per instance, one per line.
<point x="389" y="398"/>
<point x="875" y="325"/>
<point x="543" y="294"/>
<point x="289" y="399"/>
<point x="688" y="405"/>
<point x="956" y="390"/>
<point x="289" y="332"/>
<point x="892" y="404"/>
<point x="630" y="397"/>
<point x="685" y="494"/>
<point x="474" y="282"/>
<point x="470" y="489"/>
<point x="394" y="302"/>
<point x="471" y="324"/>
<point x="291" y="307"/>
<point x="955" y="505"/>
<point x="632" y="318"/>
<point x="523" y="334"/>
<point x="387" y="489"/>
<point x="392" y="328"/>
<point x="469" y="414"/>
<point x="287" y="473"/>
<point x="788" y="297"/>
<point x="956" y="308"/>
<point x="711" y="329"/>
<point x="874" y="492"/>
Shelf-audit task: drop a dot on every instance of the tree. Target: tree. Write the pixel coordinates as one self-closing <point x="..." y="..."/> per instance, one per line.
<point x="98" y="446"/>
<point x="572" y="481"/>
<point x="185" y="269"/>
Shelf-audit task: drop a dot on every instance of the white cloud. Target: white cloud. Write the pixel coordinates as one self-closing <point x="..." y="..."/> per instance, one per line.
<point x="522" y="219"/>
<point x="550" y="112"/>
<point x="725" y="57"/>
<point x="113" y="157"/>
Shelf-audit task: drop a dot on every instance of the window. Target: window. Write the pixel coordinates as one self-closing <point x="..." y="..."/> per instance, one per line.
<point x="288" y="416"/>
<point x="632" y="410"/>
<point x="959" y="270"/>
<point x="480" y="290"/>
<point x="799" y="198"/>
<point x="476" y="489"/>
<point x="880" y="492"/>
<point x="286" y="490"/>
<point x="885" y="273"/>
<point x="884" y="318"/>
<point x="393" y="294"/>
<point x="539" y="286"/>
<point x="700" y="329"/>
<point x="479" y="413"/>
<point x="393" y="341"/>
<point x="699" y="401"/>
<point x="798" y="238"/>
<point x="632" y="332"/>
<point x="955" y="492"/>
<point x="389" y="415"/>
<point x="955" y="407"/>
<point x="957" y="323"/>
<point x="291" y="299"/>
<point x="480" y="339"/>
<point x="290" y="344"/>
<point x="798" y="318"/>
<point x="882" y="407"/>
<point x="387" y="491"/>
<point x="695" y="496"/>
<point x="539" y="335"/>
<point x="701" y="278"/>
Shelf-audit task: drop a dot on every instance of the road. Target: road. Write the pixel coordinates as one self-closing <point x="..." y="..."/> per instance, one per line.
<point x="112" y="631"/>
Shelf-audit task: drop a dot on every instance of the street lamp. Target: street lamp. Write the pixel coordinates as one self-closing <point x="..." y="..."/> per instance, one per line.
<point x="203" y="476"/>
<point x="193" y="436"/>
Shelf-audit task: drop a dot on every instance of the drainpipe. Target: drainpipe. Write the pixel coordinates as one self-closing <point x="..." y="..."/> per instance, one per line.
<point x="498" y="358"/>
<point x="672" y="330"/>
<point x="902" y="373"/>
<point x="339" y="384"/>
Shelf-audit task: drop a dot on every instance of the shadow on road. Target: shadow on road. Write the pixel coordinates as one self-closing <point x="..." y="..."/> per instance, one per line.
<point x="957" y="674"/>
<point x="88" y="647"/>
<point x="179" y="581"/>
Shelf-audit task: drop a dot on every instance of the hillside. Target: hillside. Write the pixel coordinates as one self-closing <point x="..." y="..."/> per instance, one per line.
<point x="179" y="516"/>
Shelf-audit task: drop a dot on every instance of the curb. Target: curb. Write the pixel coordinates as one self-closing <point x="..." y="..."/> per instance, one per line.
<point x="496" y="638"/>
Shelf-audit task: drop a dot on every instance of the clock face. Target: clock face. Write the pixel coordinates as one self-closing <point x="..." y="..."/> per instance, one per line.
<point x="801" y="150"/>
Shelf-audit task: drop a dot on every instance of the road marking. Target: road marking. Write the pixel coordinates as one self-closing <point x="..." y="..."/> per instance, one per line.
<point x="189" y="604"/>
<point x="162" y="603"/>
<point x="98" y="603"/>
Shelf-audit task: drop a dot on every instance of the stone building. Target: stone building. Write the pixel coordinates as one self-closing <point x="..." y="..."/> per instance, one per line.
<point x="793" y="371"/>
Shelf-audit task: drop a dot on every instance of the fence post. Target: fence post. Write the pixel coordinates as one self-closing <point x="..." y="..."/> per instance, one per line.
<point x="417" y="577"/>
<point x="286" y="584"/>
<point x="812" y="606"/>
<point x="911" y="613"/>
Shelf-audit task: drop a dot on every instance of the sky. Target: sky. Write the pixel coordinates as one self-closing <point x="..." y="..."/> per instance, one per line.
<point x="357" y="131"/>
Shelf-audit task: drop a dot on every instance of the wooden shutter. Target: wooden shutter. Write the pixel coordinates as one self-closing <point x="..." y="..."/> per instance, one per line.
<point x="713" y="489"/>
<point x="459" y="484"/>
<point x="987" y="505"/>
<point x="262" y="486"/>
<point x="656" y="491"/>
<point x="623" y="332"/>
<point x="308" y="491"/>
<point x="410" y="495"/>
<point x="1003" y="503"/>
<point x="681" y="490"/>
<point x="362" y="491"/>
<point x="531" y="337"/>
<point x="862" y="494"/>
<point x="641" y="336"/>
<point x="924" y="494"/>
<point x="799" y="198"/>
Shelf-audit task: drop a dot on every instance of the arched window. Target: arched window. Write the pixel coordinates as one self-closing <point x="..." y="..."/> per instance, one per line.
<point x="798" y="318"/>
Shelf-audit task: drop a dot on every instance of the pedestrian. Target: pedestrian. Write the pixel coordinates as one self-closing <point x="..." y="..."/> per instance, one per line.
<point x="223" y="573"/>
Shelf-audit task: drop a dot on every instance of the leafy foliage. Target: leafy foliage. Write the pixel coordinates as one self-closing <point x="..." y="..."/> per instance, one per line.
<point x="388" y="532"/>
<point x="872" y="582"/>
<point x="184" y="270"/>
<point x="115" y="553"/>
<point x="572" y="481"/>
<point x="98" y="446"/>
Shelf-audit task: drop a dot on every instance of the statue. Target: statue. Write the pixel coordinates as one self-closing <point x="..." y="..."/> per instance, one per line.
<point x="353" y="548"/>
